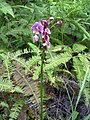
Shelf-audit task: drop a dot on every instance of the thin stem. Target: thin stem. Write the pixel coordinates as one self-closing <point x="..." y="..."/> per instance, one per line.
<point x="69" y="97"/>
<point x="62" y="32"/>
<point x="82" y="87"/>
<point x="41" y="84"/>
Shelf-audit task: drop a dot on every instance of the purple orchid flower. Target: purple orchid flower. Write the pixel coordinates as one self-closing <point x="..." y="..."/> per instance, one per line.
<point x="46" y="37"/>
<point x="59" y="22"/>
<point x="46" y="41"/>
<point x="41" y="27"/>
<point x="51" y="18"/>
<point x="35" y="38"/>
<point x="47" y="30"/>
<point x="46" y="22"/>
<point x="37" y="27"/>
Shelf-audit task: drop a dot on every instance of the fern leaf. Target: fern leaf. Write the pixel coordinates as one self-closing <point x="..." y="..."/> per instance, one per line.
<point x="6" y="8"/>
<point x="57" y="60"/>
<point x="19" y="30"/>
<point x="34" y="60"/>
<point x="4" y="104"/>
<point x="78" y="69"/>
<point x="29" y="87"/>
<point x="81" y="28"/>
<point x="5" y="85"/>
<point x="36" y="72"/>
<point x="34" y="47"/>
<point x="16" y="109"/>
<point x="80" y="64"/>
<point x="50" y="75"/>
<point x="78" y="47"/>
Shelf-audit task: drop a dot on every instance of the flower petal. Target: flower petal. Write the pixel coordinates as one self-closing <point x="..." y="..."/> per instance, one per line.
<point x="51" y="18"/>
<point x="59" y="22"/>
<point x="37" y="27"/>
<point x="47" y="30"/>
<point x="35" y="38"/>
<point x="44" y="23"/>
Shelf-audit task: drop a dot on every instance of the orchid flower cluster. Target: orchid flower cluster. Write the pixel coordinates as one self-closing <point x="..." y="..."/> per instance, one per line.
<point x="42" y="29"/>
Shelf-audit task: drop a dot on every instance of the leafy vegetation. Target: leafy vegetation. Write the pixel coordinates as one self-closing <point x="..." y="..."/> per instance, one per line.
<point x="66" y="69"/>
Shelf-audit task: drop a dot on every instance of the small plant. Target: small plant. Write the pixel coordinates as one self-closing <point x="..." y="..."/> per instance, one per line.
<point x="49" y="76"/>
<point x="42" y="29"/>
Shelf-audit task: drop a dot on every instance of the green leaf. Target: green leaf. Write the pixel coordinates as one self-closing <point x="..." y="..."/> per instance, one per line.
<point x="78" y="47"/>
<point x="81" y="28"/>
<point x="77" y="64"/>
<point x="36" y="72"/>
<point x="34" y="47"/>
<point x="5" y="85"/>
<point x="74" y="115"/>
<point x="6" y="8"/>
<point x="62" y="48"/>
<point x="82" y="87"/>
<point x="16" y="109"/>
<point x="57" y="60"/>
<point x="50" y="75"/>
<point x="33" y="60"/>
<point x="17" y="89"/>
<point x="3" y="104"/>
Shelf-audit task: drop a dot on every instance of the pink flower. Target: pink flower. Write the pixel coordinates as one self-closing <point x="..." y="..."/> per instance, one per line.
<point x="35" y="38"/>
<point x="47" y="30"/>
<point x="42" y="28"/>
<point x="44" y="23"/>
<point x="58" y="23"/>
<point x="51" y="18"/>
<point x="45" y="37"/>
<point x="37" y="27"/>
<point x="46" y="41"/>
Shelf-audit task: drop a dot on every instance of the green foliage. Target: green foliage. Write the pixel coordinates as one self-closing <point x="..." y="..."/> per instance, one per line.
<point x="20" y="58"/>
<point x="6" y="8"/>
<point x="74" y="115"/>
<point x="78" y="47"/>
<point x="57" y="60"/>
<point x="3" y="104"/>
<point x="82" y="86"/>
<point x="29" y="87"/>
<point x="5" y="85"/>
<point x="16" y="109"/>
<point x="81" y="63"/>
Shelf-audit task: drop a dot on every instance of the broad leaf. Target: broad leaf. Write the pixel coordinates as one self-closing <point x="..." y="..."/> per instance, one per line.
<point x="6" y="8"/>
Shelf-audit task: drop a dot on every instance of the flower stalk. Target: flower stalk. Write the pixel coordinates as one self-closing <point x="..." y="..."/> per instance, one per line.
<point x="41" y="28"/>
<point x="41" y="83"/>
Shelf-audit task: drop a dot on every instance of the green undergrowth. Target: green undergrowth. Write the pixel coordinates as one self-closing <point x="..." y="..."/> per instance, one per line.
<point x="20" y="56"/>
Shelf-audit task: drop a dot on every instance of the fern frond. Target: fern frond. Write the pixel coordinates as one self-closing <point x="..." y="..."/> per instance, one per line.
<point x="29" y="87"/>
<point x="57" y="60"/>
<point x="78" y="69"/>
<point x="78" y="47"/>
<point x="34" y="60"/>
<point x="6" y="8"/>
<point x="36" y="72"/>
<point x="16" y="109"/>
<point x="19" y="30"/>
<point x="5" y="85"/>
<point x="19" y="62"/>
<point x="50" y="75"/>
<point x="80" y="64"/>
<point x="34" y="47"/>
